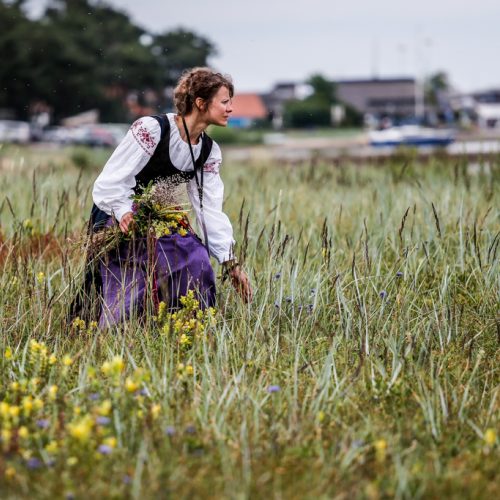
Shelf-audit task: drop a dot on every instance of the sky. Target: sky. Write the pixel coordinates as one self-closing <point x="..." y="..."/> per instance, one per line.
<point x="262" y="42"/>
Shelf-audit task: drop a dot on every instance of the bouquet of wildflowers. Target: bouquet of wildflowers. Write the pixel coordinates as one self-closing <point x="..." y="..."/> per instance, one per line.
<point x="155" y="214"/>
<point x="155" y="211"/>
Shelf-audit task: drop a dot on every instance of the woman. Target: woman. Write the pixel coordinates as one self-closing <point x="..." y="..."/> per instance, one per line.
<point x="172" y="148"/>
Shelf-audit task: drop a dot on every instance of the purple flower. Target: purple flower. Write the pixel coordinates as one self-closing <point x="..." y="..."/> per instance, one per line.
<point x="102" y="420"/>
<point x="277" y="305"/>
<point x="313" y="291"/>
<point x="33" y="463"/>
<point x="190" y="429"/>
<point x="273" y="388"/>
<point x="145" y="392"/>
<point x="127" y="479"/>
<point x="383" y="294"/>
<point x="399" y="274"/>
<point x="105" y="449"/>
<point x="170" y="430"/>
<point x="289" y="299"/>
<point x="42" y="423"/>
<point x="310" y="308"/>
<point x="94" y="396"/>
<point x="277" y="276"/>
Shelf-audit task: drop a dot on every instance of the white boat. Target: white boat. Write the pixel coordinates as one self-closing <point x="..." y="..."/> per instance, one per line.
<point x="411" y="135"/>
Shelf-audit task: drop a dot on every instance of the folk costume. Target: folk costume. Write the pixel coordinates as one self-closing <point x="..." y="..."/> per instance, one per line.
<point x="152" y="151"/>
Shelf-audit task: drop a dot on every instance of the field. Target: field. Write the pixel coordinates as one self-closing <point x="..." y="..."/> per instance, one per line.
<point x="366" y="367"/>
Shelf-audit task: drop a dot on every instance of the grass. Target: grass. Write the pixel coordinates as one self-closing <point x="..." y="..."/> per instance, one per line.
<point x="367" y="365"/>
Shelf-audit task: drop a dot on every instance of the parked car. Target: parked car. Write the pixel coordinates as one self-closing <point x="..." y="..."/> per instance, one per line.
<point x="57" y="135"/>
<point x="94" y="136"/>
<point x="14" y="131"/>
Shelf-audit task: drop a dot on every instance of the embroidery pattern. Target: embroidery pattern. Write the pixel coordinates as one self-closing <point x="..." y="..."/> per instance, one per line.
<point x="211" y="168"/>
<point x="144" y="137"/>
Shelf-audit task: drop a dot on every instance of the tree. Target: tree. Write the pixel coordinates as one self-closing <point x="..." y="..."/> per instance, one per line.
<point x="84" y="54"/>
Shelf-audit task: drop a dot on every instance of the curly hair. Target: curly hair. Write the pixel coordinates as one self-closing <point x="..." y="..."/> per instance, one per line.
<point x="199" y="82"/>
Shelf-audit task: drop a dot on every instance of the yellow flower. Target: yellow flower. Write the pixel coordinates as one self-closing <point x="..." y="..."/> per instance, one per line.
<point x="4" y="409"/>
<point x="130" y="385"/>
<point x="189" y="370"/>
<point x="52" y="447"/>
<point x="113" y="367"/>
<point x="15" y="386"/>
<point x="81" y="429"/>
<point x="380" y="449"/>
<point x="27" y="224"/>
<point x="52" y="359"/>
<point x="8" y="354"/>
<point x="182" y="231"/>
<point x="105" y="408"/>
<point x="67" y="361"/>
<point x="23" y="432"/>
<point x="10" y="472"/>
<point x="5" y="434"/>
<point x="490" y="437"/>
<point x="14" y="411"/>
<point x="155" y="411"/>
<point x="37" y="404"/>
<point x="40" y="277"/>
<point x="72" y="461"/>
<point x="53" y="392"/>
<point x="27" y="404"/>
<point x="110" y="441"/>
<point x="321" y="416"/>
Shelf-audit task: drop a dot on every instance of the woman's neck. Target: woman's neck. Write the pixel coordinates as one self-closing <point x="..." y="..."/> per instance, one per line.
<point x="195" y="126"/>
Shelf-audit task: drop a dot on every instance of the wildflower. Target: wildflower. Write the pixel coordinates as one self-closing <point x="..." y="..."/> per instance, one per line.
<point x="277" y="276"/>
<point x="320" y="416"/>
<point x="105" y="449"/>
<point x="5" y="435"/>
<point x="399" y="274"/>
<point x="43" y="423"/>
<point x="67" y="361"/>
<point x="185" y="341"/>
<point x="155" y="411"/>
<point x="190" y="429"/>
<point x="94" y="396"/>
<point x="100" y="420"/>
<point x="170" y="430"/>
<point x="490" y="437"/>
<point x="113" y="367"/>
<point x="273" y="388"/>
<point x="23" y="432"/>
<point x="105" y="408"/>
<point x="4" y="409"/>
<point x="37" y="404"/>
<point x="27" y="224"/>
<point x="182" y="231"/>
<point x="14" y="411"/>
<point x="383" y="294"/>
<point x="72" y="461"/>
<point x="130" y="385"/>
<point x="27" y="404"/>
<point x="380" y="449"/>
<point x="53" y="392"/>
<point x="40" y="277"/>
<point x="52" y="359"/>
<point x="8" y="354"/>
<point x="52" y="447"/>
<point x="10" y="472"/>
<point x="33" y="463"/>
<point x="81" y="429"/>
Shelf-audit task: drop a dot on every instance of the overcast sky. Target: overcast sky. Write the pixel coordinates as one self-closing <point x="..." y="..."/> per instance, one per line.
<point x="260" y="42"/>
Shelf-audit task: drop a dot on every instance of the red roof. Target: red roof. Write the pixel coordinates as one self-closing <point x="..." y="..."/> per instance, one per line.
<point x="248" y="106"/>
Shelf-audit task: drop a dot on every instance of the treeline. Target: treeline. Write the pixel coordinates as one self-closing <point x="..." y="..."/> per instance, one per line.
<point x="83" y="54"/>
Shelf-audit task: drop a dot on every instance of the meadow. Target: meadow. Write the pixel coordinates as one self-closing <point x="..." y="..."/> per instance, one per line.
<point x="367" y="365"/>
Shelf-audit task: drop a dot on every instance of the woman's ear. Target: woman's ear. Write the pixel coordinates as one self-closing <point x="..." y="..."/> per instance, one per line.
<point x="201" y="104"/>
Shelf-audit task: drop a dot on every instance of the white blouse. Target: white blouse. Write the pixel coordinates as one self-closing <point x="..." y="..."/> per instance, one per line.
<point x="114" y="187"/>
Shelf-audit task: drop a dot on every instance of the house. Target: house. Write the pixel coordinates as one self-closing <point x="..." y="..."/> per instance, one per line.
<point x="247" y="110"/>
<point x="394" y="98"/>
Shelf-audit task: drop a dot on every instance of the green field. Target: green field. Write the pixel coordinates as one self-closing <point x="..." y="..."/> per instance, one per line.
<point x="366" y="367"/>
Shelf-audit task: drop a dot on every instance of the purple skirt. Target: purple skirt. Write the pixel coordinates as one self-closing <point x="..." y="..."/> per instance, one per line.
<point x="133" y="274"/>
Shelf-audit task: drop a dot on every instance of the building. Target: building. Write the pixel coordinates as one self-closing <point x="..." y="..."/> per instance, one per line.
<point x="247" y="110"/>
<point x="395" y="98"/>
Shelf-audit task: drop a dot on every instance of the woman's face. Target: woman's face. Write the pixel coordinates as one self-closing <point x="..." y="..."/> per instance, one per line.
<point x="219" y="108"/>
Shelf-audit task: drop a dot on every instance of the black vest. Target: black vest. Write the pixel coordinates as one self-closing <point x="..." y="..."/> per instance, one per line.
<point x="159" y="167"/>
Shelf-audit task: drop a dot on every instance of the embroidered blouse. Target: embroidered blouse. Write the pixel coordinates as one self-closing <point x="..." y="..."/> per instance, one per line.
<point x="113" y="188"/>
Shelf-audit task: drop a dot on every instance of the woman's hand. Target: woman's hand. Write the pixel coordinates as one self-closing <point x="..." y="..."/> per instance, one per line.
<point x="241" y="283"/>
<point x="125" y="222"/>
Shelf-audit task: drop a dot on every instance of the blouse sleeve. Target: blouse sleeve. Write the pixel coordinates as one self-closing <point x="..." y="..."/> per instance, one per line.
<point x="219" y="229"/>
<point x="114" y="187"/>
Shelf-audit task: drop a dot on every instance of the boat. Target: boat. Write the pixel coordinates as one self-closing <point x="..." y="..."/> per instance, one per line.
<point x="411" y="135"/>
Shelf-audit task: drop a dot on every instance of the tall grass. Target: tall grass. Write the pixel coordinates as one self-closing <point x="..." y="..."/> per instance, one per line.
<point x="367" y="364"/>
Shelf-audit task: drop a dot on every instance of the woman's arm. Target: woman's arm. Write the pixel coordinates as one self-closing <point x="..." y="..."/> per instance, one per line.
<point x="219" y="229"/>
<point x="114" y="187"/>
